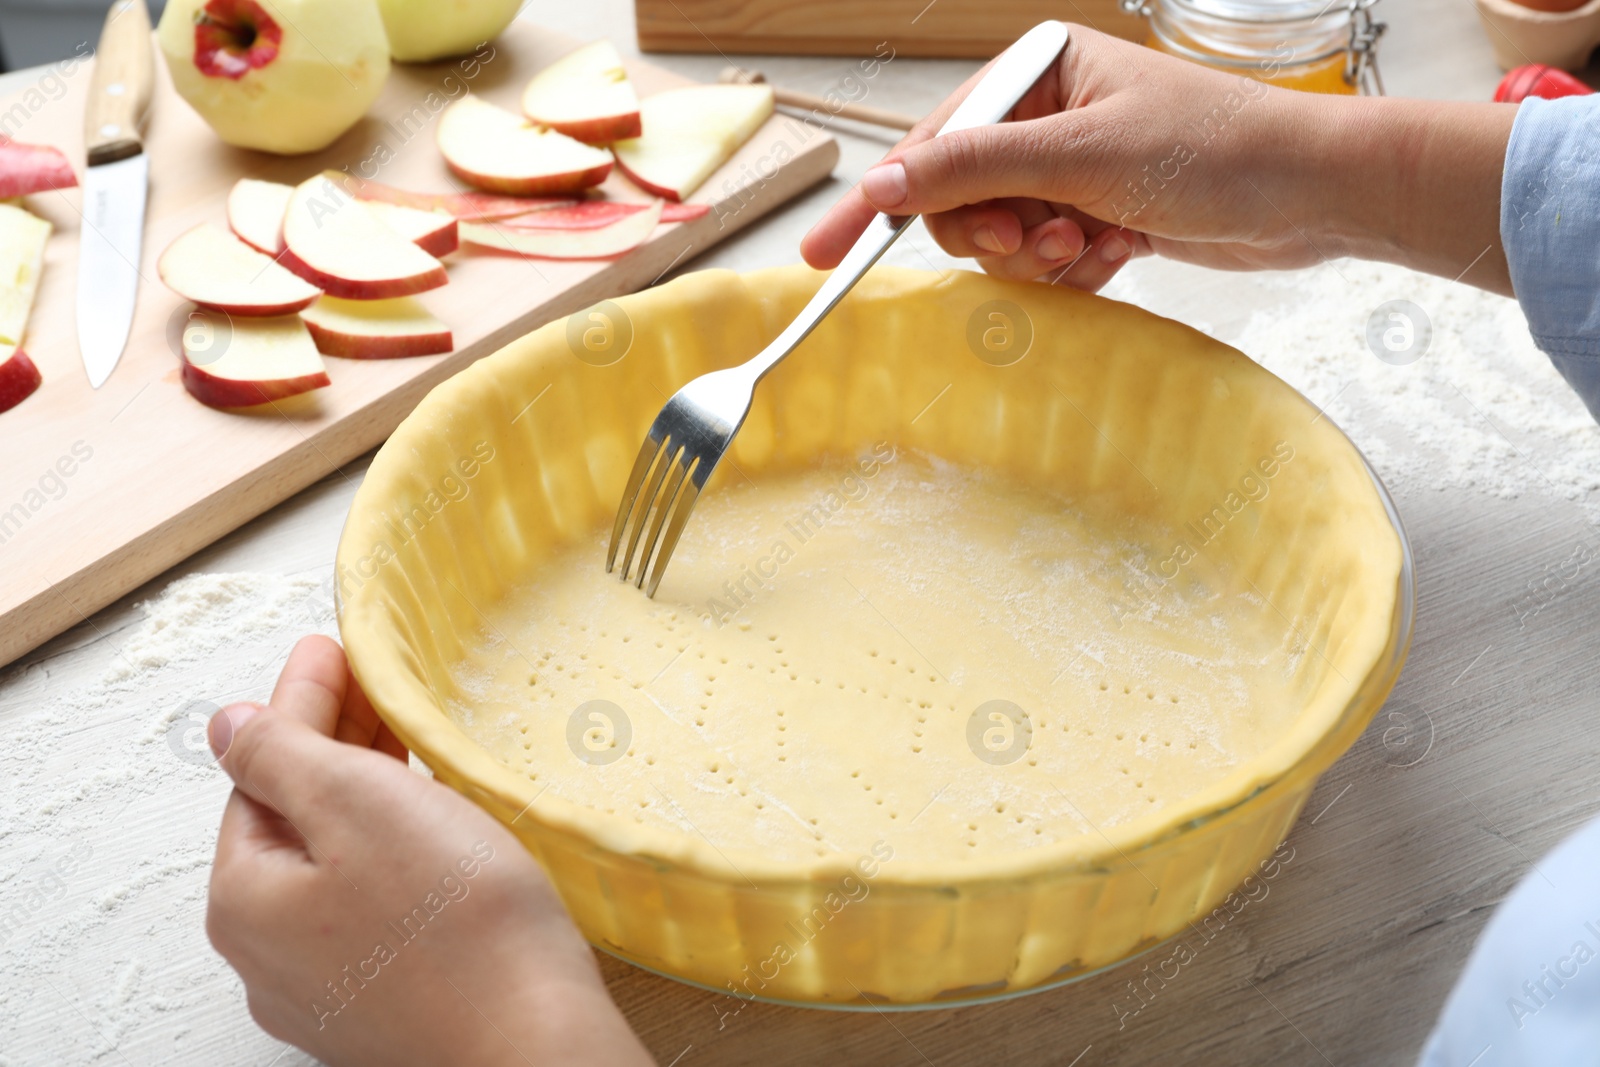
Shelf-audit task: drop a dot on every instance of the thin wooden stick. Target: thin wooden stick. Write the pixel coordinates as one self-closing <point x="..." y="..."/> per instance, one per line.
<point x="810" y="102"/>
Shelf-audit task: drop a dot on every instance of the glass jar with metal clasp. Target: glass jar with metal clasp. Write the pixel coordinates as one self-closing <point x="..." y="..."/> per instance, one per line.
<point x="1321" y="46"/>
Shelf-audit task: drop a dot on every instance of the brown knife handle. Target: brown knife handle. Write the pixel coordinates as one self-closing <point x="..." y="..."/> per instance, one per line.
<point x="119" y="92"/>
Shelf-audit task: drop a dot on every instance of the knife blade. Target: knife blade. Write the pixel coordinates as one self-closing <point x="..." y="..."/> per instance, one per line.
<point x="115" y="184"/>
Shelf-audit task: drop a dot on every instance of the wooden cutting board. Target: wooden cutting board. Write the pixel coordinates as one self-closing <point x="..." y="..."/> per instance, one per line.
<point x="880" y="28"/>
<point x="101" y="490"/>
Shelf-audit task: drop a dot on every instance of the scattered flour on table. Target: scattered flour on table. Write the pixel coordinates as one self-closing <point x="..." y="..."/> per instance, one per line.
<point x="109" y="804"/>
<point x="1482" y="410"/>
<point x="197" y="615"/>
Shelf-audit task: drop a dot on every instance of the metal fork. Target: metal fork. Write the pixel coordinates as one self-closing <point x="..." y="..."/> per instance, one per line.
<point x="693" y="432"/>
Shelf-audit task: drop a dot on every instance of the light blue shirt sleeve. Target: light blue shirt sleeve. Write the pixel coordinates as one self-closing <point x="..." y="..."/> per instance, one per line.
<point x="1530" y="992"/>
<point x="1550" y="226"/>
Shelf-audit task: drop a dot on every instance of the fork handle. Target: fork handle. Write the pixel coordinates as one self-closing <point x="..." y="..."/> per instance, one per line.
<point x="996" y="93"/>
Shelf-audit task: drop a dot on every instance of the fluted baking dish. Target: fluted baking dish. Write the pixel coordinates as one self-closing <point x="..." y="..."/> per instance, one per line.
<point x="527" y="451"/>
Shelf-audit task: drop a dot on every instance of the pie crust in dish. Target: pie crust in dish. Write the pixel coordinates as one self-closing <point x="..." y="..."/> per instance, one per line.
<point x="971" y="674"/>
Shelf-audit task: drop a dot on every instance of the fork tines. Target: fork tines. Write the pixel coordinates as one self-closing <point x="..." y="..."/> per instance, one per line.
<point x="660" y="453"/>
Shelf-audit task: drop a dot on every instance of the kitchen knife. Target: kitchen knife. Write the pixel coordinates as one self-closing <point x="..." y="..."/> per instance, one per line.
<point x="114" y="187"/>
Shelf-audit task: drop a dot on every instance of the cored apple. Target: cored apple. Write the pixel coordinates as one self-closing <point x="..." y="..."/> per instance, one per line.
<point x="255" y="213"/>
<point x="334" y="242"/>
<point x="585" y="95"/>
<point x="18" y="378"/>
<point x="432" y="231"/>
<point x="32" y="168"/>
<point x="375" y="329"/>
<point x="286" y="76"/>
<point x="690" y="132"/>
<point x="475" y="206"/>
<point x="420" y="30"/>
<point x="22" y="240"/>
<point x="492" y="149"/>
<point x="620" y="236"/>
<point x="216" y="270"/>
<point x="243" y="362"/>
<point x="594" y="214"/>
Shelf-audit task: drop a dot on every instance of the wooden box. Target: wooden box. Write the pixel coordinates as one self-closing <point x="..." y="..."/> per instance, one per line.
<point x="977" y="28"/>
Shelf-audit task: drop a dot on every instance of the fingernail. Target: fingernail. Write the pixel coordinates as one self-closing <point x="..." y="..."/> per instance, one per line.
<point x="1114" y="249"/>
<point x="986" y="240"/>
<point x="1052" y="247"/>
<point x="885" y="184"/>
<point x="223" y="724"/>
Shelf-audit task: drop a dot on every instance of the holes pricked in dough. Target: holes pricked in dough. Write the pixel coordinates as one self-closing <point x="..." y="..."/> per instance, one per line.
<point x="862" y="679"/>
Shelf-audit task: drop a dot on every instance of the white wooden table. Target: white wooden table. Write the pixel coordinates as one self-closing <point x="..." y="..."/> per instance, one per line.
<point x="1346" y="961"/>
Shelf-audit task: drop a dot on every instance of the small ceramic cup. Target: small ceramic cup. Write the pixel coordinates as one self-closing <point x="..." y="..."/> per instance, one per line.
<point x="1520" y="34"/>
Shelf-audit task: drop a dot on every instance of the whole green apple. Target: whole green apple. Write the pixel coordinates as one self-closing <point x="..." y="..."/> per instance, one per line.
<point x="285" y="76"/>
<point x="420" y="30"/>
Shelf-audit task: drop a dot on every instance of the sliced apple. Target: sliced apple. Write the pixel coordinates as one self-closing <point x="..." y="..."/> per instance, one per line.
<point x="216" y="270"/>
<point x="625" y="234"/>
<point x="585" y="95"/>
<point x="690" y="132"/>
<point x="243" y="362"/>
<point x="376" y="329"/>
<point x="492" y="149"/>
<point x="22" y="240"/>
<point x="461" y="205"/>
<point x="432" y="231"/>
<point x="255" y="213"/>
<point x="18" y="378"/>
<point x="594" y="214"/>
<point x="32" y="168"/>
<point x="673" y="211"/>
<point x="334" y="242"/>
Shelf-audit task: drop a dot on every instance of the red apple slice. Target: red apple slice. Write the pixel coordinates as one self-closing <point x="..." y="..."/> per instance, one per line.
<point x="18" y="379"/>
<point x="255" y="213"/>
<point x="432" y="231"/>
<point x="32" y="168"/>
<point x="375" y="329"/>
<point x="593" y="214"/>
<point x="216" y="270"/>
<point x="690" y="132"/>
<point x="243" y="362"/>
<point x="22" y="241"/>
<point x="495" y="150"/>
<point x="475" y="206"/>
<point x="622" y="235"/>
<point x="585" y="95"/>
<point x="672" y="211"/>
<point x="337" y="244"/>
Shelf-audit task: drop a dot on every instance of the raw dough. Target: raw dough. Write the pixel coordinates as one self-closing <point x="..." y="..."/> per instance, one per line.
<point x="1142" y="488"/>
<point x="806" y="680"/>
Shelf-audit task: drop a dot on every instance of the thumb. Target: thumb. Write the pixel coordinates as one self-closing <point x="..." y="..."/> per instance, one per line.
<point x="1043" y="159"/>
<point x="280" y="762"/>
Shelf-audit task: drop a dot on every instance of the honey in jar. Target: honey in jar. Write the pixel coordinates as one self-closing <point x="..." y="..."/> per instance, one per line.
<point x="1312" y="45"/>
